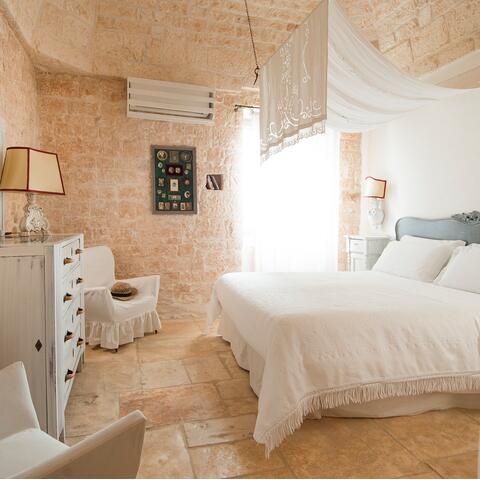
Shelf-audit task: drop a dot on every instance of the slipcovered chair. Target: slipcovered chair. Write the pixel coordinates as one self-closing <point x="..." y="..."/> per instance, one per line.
<point x="110" y="322"/>
<point x="27" y="452"/>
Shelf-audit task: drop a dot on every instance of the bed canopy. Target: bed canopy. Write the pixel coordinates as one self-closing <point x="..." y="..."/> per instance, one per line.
<point x="326" y="74"/>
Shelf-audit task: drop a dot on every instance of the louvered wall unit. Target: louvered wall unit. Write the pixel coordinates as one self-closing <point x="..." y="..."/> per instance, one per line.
<point x="170" y="102"/>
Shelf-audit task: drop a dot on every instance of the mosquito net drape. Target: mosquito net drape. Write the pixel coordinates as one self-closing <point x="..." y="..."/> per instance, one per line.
<point x="359" y="90"/>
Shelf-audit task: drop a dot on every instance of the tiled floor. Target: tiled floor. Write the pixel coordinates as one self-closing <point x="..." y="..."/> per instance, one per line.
<point x="201" y="414"/>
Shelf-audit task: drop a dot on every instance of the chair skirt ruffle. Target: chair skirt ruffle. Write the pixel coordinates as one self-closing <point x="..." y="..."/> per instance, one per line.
<point x="112" y="335"/>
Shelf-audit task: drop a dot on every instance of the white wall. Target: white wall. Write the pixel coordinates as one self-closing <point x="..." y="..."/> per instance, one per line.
<point x="431" y="159"/>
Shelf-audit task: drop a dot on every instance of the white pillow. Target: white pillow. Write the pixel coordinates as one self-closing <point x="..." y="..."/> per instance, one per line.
<point x="463" y="269"/>
<point x="432" y="241"/>
<point x="416" y="260"/>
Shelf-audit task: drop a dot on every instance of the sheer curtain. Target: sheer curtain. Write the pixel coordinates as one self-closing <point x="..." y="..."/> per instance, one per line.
<point x="290" y="203"/>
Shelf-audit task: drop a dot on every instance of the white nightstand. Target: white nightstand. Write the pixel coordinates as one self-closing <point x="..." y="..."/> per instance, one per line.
<point x="363" y="250"/>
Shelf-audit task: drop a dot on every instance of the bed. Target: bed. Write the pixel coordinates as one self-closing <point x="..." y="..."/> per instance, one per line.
<point x="352" y="344"/>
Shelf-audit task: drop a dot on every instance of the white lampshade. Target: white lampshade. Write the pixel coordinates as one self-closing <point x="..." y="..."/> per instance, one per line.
<point x="374" y="187"/>
<point x="29" y="170"/>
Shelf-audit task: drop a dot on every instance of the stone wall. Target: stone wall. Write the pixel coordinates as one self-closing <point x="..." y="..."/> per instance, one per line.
<point x="106" y="165"/>
<point x="18" y="107"/>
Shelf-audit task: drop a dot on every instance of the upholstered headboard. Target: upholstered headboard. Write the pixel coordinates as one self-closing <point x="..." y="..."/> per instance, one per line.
<point x="463" y="226"/>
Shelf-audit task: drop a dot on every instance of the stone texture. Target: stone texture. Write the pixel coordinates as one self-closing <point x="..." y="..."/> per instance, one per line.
<point x="167" y="406"/>
<point x="457" y="466"/>
<point x="164" y="454"/>
<point x="18" y="105"/>
<point x="219" y="430"/>
<point x="205" y="369"/>
<point x="232" y="459"/>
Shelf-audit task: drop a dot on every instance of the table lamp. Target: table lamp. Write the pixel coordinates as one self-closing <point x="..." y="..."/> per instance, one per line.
<point x="32" y="171"/>
<point x="374" y="189"/>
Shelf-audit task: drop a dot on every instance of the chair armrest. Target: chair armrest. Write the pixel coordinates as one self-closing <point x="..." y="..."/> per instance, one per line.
<point x="113" y="452"/>
<point x="148" y="285"/>
<point x="16" y="407"/>
<point x="98" y="304"/>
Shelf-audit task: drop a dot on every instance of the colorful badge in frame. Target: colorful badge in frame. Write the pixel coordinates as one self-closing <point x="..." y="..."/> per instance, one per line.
<point x="174" y="179"/>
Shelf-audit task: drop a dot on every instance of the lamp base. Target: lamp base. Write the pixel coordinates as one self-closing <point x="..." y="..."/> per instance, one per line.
<point x="33" y="222"/>
<point x="376" y="215"/>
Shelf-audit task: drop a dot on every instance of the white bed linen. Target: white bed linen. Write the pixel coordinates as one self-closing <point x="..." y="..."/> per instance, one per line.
<point x="330" y="340"/>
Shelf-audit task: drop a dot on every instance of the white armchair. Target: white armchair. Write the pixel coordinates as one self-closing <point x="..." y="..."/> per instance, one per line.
<point x="27" y="452"/>
<point x="110" y="322"/>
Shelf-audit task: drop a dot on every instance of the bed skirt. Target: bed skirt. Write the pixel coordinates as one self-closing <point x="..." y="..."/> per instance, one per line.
<point x="250" y="360"/>
<point x="112" y="335"/>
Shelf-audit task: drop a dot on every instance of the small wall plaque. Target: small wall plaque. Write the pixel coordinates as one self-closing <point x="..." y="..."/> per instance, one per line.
<point x="174" y="180"/>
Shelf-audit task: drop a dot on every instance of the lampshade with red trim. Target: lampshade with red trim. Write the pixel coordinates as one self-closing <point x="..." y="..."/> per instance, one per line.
<point x="27" y="169"/>
<point x="374" y="187"/>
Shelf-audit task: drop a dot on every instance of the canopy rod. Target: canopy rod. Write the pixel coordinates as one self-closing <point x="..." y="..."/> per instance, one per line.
<point x="238" y="106"/>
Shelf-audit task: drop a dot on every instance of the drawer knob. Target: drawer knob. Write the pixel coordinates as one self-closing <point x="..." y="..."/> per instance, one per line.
<point x="78" y="251"/>
<point x="67" y="260"/>
<point x="80" y="311"/>
<point x="67" y="297"/>
<point x="80" y="341"/>
<point x="79" y="280"/>
<point x="69" y="375"/>
<point x="68" y="336"/>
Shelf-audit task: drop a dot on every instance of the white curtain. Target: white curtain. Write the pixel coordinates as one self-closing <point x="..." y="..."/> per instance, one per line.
<point x="290" y="203"/>
<point x="363" y="89"/>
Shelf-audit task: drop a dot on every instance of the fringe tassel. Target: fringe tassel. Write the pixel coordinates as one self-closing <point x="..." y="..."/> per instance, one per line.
<point x="318" y="401"/>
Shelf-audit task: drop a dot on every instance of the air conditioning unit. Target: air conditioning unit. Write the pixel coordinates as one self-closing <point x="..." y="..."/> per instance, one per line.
<point x="169" y="101"/>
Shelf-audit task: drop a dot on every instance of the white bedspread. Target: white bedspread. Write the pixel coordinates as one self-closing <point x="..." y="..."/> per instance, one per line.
<point x="334" y="339"/>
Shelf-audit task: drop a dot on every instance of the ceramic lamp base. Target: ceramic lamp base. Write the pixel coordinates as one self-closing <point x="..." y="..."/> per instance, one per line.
<point x="34" y="221"/>
<point x="376" y="215"/>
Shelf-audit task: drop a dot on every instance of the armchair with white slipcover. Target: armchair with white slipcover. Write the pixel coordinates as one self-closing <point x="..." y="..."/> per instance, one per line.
<point x="110" y="322"/>
<point x="27" y="452"/>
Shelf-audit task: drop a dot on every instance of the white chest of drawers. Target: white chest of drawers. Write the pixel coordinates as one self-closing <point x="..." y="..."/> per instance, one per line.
<point x="363" y="251"/>
<point x="41" y="318"/>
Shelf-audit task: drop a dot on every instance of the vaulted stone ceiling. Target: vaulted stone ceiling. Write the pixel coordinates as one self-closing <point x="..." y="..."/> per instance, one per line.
<point x="207" y="41"/>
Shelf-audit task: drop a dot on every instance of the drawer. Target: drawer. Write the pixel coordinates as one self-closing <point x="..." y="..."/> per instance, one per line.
<point x="357" y="245"/>
<point x="71" y="288"/>
<point x="74" y="315"/>
<point x="70" y="340"/>
<point x="70" y="256"/>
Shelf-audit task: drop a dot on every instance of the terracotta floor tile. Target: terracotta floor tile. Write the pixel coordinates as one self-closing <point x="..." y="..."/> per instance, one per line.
<point x="429" y="474"/>
<point x="86" y="414"/>
<point x="177" y="348"/>
<point x="126" y="353"/>
<point x="464" y="465"/>
<point x="475" y="414"/>
<point x="180" y="329"/>
<point x="219" y="430"/>
<point x="205" y="369"/>
<point x="231" y="365"/>
<point x="166" y="406"/>
<point x="98" y="377"/>
<point x="434" y="434"/>
<point x="165" y="373"/>
<point x="232" y="459"/>
<point x="164" y="454"/>
<point x="236" y="388"/>
<point x="241" y="406"/>
<point x="277" y="473"/>
<point x="345" y="448"/>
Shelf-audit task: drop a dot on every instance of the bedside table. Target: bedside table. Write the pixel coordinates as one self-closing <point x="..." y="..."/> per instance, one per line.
<point x="363" y="250"/>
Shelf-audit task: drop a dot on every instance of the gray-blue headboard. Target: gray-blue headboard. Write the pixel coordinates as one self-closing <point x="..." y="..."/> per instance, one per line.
<point x="462" y="226"/>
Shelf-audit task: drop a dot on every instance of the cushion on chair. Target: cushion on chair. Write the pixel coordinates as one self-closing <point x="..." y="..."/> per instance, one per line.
<point x="26" y="449"/>
<point x="98" y="267"/>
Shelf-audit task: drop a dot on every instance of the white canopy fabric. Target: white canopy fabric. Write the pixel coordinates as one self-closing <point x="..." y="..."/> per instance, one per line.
<point x="363" y="89"/>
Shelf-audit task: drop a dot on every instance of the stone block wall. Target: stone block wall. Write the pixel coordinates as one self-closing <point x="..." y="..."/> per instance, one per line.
<point x="18" y="107"/>
<point x="107" y="169"/>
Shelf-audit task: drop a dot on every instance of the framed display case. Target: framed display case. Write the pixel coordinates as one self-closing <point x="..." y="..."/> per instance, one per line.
<point x="174" y="180"/>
